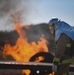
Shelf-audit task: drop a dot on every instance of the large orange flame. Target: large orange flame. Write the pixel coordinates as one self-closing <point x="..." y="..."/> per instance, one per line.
<point x="23" y="50"/>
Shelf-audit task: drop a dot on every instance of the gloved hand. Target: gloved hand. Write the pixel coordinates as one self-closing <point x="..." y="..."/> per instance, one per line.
<point x="54" y="68"/>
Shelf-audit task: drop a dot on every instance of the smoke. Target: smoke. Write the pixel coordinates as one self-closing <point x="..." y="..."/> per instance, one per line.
<point x="6" y="7"/>
<point x="26" y="9"/>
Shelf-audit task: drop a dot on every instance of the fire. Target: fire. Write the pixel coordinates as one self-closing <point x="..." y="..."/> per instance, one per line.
<point x="27" y="72"/>
<point x="23" y="50"/>
<point x="52" y="73"/>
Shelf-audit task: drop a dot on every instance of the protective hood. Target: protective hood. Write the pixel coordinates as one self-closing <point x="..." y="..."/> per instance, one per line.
<point x="63" y="27"/>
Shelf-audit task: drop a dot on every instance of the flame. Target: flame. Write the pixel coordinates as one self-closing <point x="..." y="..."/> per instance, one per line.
<point x="52" y="73"/>
<point x="40" y="58"/>
<point x="26" y="72"/>
<point x="23" y="50"/>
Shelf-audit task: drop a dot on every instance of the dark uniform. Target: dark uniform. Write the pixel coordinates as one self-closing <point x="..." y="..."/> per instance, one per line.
<point x="64" y="46"/>
<point x="63" y="52"/>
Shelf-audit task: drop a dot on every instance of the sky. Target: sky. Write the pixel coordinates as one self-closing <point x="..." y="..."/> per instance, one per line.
<point x="35" y="11"/>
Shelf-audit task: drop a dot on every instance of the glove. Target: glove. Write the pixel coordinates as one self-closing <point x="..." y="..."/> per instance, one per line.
<point x="54" y="68"/>
<point x="55" y="64"/>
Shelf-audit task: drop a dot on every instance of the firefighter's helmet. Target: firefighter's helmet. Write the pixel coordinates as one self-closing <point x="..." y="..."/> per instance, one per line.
<point x="53" y="21"/>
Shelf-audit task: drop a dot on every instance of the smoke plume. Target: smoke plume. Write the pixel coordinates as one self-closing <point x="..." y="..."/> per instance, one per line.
<point x="27" y="10"/>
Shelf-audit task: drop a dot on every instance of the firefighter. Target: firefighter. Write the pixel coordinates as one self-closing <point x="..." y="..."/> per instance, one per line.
<point x="64" y="50"/>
